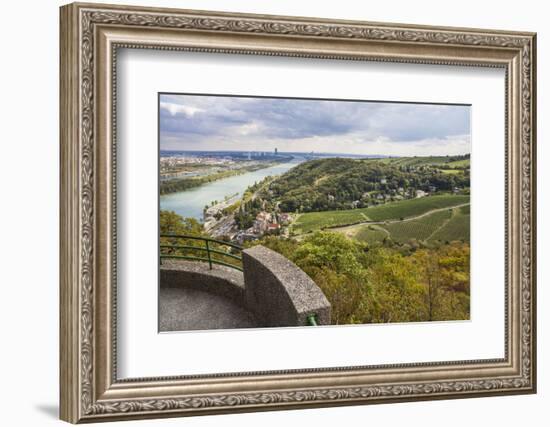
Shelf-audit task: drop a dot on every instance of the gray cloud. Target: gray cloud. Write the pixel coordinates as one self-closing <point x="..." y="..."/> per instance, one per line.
<point x="239" y="123"/>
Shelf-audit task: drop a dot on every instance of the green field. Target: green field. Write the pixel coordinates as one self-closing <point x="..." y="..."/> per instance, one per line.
<point x="459" y="163"/>
<point x="420" y="229"/>
<point x="451" y="171"/>
<point x="383" y="160"/>
<point x="440" y="226"/>
<point x="458" y="227"/>
<point x="318" y="220"/>
<point x="390" y="211"/>
<point x="370" y="233"/>
<point x="412" y="161"/>
<point x="465" y="210"/>
<point x="423" y="161"/>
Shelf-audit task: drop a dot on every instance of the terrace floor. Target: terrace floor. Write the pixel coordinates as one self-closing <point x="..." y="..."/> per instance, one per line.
<point x="184" y="309"/>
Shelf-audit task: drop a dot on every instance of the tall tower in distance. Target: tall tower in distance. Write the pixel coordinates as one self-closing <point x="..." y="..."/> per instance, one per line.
<point x="275" y="150"/>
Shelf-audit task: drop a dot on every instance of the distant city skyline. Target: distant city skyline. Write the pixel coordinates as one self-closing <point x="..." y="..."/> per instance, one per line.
<point x="232" y="123"/>
<point x="258" y="152"/>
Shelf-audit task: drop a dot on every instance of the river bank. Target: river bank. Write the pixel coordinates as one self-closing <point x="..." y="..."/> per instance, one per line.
<point x="182" y="184"/>
<point x="191" y="202"/>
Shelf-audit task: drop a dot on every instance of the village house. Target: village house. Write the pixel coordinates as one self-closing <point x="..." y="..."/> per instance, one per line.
<point x="266" y="223"/>
<point x="284" y="218"/>
<point x="244" y="236"/>
<point x="262" y="222"/>
<point x="272" y="227"/>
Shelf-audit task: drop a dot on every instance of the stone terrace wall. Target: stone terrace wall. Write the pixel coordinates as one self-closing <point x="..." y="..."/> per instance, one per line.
<point x="222" y="281"/>
<point x="278" y="292"/>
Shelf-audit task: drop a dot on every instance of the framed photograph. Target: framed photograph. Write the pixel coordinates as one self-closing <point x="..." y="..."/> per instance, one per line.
<point x="266" y="212"/>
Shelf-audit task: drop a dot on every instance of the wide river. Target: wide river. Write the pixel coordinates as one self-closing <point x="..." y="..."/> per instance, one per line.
<point x="190" y="203"/>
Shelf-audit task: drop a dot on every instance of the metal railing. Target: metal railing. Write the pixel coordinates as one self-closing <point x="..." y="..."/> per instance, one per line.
<point x="170" y="248"/>
<point x="311" y="320"/>
<point x="211" y="247"/>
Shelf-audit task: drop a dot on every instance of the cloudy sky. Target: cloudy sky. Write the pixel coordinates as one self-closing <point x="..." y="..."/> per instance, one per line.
<point x="203" y="122"/>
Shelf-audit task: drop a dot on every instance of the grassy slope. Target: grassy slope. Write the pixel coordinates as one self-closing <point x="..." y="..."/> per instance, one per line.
<point x="458" y="227"/>
<point x="459" y="163"/>
<point x="423" y="161"/>
<point x="395" y="210"/>
<point x="370" y="233"/>
<point x="419" y="229"/>
<point x="452" y="171"/>
<point x="439" y="226"/>
<point x="310" y="185"/>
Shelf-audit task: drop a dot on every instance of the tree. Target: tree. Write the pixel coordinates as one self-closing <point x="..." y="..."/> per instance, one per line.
<point x="445" y="274"/>
<point x="335" y="264"/>
<point x="397" y="295"/>
<point x="172" y="223"/>
<point x="366" y="284"/>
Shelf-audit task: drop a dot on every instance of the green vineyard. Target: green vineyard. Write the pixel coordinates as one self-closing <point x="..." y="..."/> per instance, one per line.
<point x="457" y="228"/>
<point x="371" y="233"/>
<point x="439" y="227"/>
<point x="420" y="229"/>
<point x="312" y="221"/>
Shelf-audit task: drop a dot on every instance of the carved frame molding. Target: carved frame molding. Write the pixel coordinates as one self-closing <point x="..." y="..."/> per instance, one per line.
<point x="90" y="36"/>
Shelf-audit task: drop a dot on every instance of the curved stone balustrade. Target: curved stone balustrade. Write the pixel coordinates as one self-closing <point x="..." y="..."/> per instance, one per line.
<point x="272" y="291"/>
<point x="278" y="292"/>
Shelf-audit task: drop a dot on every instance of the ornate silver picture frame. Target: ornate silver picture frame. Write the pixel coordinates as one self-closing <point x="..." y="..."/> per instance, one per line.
<point x="91" y="36"/>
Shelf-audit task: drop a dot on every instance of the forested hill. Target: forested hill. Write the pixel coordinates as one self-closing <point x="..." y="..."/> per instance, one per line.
<point x="335" y="183"/>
